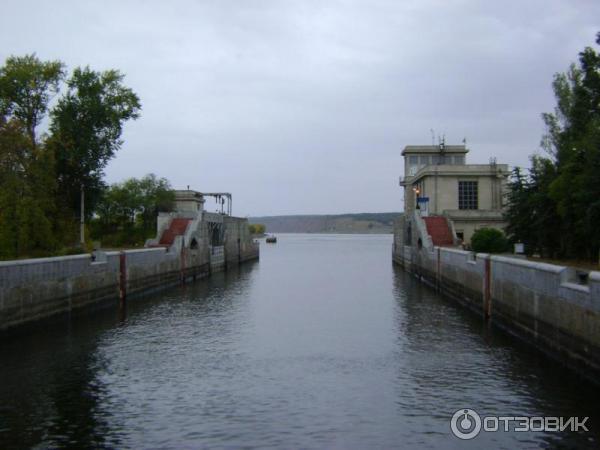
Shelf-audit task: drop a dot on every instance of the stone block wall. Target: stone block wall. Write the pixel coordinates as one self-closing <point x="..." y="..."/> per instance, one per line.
<point x="544" y="304"/>
<point x="37" y="288"/>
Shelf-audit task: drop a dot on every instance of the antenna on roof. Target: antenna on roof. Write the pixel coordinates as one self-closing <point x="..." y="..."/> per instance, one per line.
<point x="432" y="137"/>
<point x="465" y="141"/>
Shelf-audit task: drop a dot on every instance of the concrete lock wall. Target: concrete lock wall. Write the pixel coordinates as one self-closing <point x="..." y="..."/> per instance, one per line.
<point x="239" y="246"/>
<point x="37" y="288"/>
<point x="217" y="259"/>
<point x="544" y="304"/>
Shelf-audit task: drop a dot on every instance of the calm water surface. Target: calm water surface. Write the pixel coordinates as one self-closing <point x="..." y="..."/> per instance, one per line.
<point x="321" y="344"/>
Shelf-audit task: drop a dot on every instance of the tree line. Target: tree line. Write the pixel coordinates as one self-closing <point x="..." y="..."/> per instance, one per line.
<point x="554" y="206"/>
<point x="42" y="174"/>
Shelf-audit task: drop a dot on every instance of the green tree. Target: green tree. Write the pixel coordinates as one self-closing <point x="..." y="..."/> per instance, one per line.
<point x="26" y="87"/>
<point x="555" y="209"/>
<point x="86" y="127"/>
<point x="573" y="139"/>
<point x="156" y="196"/>
<point x="489" y="240"/>
<point x="27" y="186"/>
<point x="126" y="213"/>
<point x="40" y="179"/>
<point x="531" y="213"/>
<point x="257" y="228"/>
<point x="26" y="200"/>
<point x="519" y="228"/>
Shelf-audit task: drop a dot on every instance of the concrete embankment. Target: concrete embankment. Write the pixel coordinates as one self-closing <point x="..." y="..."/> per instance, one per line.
<point x="37" y="288"/>
<point x="550" y="306"/>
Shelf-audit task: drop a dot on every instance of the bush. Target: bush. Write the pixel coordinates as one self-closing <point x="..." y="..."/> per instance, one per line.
<point x="257" y="228"/>
<point x="489" y="240"/>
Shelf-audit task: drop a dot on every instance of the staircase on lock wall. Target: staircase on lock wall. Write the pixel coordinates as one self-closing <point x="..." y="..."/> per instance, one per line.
<point x="439" y="230"/>
<point x="176" y="228"/>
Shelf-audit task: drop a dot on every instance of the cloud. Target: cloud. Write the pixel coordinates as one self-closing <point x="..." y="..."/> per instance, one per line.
<point x="304" y="107"/>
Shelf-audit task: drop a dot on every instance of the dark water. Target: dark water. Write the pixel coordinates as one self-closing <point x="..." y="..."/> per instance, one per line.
<point x="321" y="344"/>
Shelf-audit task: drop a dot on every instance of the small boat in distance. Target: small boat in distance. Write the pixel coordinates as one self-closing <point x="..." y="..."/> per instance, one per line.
<point x="271" y="239"/>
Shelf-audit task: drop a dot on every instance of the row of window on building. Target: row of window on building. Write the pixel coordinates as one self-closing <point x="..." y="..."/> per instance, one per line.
<point x="417" y="162"/>
<point x="426" y="160"/>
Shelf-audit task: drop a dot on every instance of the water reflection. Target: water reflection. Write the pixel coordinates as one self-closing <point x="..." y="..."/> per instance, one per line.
<point x="321" y="344"/>
<point x="55" y="386"/>
<point x="468" y="364"/>
<point x="47" y="389"/>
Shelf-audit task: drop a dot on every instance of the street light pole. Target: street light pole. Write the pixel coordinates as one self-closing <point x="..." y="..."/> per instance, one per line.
<point x="82" y="221"/>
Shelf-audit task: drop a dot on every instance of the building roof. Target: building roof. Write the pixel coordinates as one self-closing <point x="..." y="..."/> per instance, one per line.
<point x="420" y="149"/>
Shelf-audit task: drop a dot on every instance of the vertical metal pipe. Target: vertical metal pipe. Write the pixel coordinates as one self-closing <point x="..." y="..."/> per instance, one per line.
<point x="82" y="220"/>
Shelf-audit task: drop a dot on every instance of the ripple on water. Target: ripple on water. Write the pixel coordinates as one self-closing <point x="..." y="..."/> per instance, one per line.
<point x="321" y="344"/>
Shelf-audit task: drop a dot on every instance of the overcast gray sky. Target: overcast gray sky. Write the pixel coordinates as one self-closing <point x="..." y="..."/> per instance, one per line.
<point x="304" y="106"/>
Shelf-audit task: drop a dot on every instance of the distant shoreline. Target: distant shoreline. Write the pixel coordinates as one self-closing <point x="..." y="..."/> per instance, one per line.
<point x="262" y="236"/>
<point x="358" y="223"/>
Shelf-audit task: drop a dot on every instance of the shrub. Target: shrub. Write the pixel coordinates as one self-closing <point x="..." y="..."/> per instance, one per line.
<point x="257" y="228"/>
<point x="489" y="240"/>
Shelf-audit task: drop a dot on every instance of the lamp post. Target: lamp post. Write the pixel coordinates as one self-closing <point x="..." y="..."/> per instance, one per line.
<point x="82" y="220"/>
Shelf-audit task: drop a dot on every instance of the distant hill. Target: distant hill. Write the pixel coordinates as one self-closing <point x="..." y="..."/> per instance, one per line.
<point x="360" y="223"/>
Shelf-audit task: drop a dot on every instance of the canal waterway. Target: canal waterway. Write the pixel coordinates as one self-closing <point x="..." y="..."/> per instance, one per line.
<point x="320" y="344"/>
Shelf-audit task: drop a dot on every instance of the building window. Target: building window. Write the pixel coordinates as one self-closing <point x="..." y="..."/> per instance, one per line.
<point x="467" y="195"/>
<point x="413" y="165"/>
